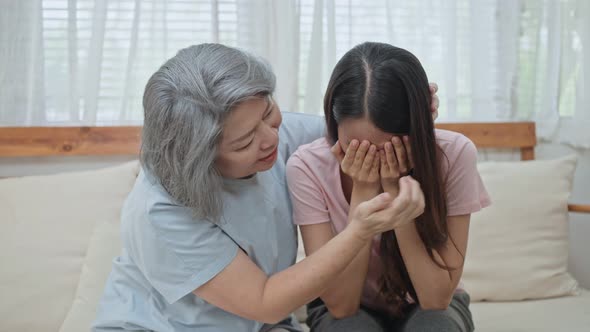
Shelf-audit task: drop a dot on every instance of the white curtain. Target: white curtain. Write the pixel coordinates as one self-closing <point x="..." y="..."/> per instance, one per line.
<point x="73" y="62"/>
<point x="494" y="60"/>
<point x="455" y="40"/>
<point x="85" y="62"/>
<point x="552" y="79"/>
<point x="21" y="63"/>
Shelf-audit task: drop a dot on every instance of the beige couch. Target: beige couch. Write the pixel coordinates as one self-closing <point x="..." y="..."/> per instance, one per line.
<point x="60" y="233"/>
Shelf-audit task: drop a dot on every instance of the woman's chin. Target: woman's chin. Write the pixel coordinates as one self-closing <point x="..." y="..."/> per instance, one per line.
<point x="266" y="167"/>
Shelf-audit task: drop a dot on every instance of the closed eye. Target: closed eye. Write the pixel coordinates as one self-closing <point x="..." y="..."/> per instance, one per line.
<point x="268" y="113"/>
<point x="264" y="117"/>
<point x="245" y="146"/>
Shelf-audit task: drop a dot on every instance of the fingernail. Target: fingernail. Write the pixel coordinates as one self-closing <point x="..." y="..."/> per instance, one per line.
<point x="354" y="143"/>
<point x="372" y="149"/>
<point x="406" y="139"/>
<point x="396" y="140"/>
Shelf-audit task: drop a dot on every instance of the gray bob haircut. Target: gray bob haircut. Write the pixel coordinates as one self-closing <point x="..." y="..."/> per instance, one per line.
<point x="185" y="103"/>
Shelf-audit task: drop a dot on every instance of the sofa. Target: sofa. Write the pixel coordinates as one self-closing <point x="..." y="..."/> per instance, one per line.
<point x="61" y="232"/>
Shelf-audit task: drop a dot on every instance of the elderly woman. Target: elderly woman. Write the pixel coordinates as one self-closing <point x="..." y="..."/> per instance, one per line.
<point x="208" y="241"/>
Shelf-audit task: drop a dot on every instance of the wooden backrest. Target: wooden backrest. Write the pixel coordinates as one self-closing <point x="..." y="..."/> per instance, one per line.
<point x="69" y="141"/>
<point x="514" y="135"/>
<point x="64" y="141"/>
<point x="80" y="141"/>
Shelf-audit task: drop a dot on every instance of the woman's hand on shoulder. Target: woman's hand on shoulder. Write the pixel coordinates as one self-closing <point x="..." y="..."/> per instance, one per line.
<point x="435" y="101"/>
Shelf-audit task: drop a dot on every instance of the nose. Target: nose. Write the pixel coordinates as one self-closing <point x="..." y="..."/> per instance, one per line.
<point x="269" y="137"/>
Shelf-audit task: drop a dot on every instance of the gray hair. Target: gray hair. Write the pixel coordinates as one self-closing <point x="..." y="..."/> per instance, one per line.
<point x="185" y="103"/>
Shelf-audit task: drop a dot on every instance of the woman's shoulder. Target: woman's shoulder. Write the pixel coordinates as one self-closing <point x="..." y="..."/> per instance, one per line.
<point x="465" y="191"/>
<point x="298" y="129"/>
<point x="454" y="144"/>
<point x="459" y="151"/>
<point x="314" y="158"/>
<point x="316" y="151"/>
<point x="148" y="197"/>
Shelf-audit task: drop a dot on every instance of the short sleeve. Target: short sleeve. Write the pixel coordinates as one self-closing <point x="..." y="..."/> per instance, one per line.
<point x="298" y="129"/>
<point x="466" y="193"/>
<point x="309" y="206"/>
<point x="179" y="253"/>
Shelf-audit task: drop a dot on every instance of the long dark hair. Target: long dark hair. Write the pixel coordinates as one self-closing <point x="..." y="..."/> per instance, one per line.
<point x="389" y="85"/>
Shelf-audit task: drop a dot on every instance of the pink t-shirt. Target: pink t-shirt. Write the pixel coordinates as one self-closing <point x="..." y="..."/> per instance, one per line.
<point x="313" y="176"/>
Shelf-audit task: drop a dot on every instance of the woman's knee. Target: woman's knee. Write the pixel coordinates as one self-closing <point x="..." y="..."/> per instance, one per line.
<point x="435" y="321"/>
<point x="362" y="321"/>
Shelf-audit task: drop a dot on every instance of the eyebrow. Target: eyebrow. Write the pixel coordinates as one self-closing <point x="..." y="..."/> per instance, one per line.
<point x="248" y="134"/>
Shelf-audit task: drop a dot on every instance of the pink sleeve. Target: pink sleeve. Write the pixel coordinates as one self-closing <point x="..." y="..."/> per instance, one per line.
<point x="309" y="206"/>
<point x="466" y="193"/>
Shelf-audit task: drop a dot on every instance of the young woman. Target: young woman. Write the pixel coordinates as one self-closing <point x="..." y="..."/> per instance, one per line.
<point x="381" y="137"/>
<point x="208" y="240"/>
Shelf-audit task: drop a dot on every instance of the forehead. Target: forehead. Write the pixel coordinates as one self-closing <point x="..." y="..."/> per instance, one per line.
<point x="244" y="117"/>
<point x="362" y="129"/>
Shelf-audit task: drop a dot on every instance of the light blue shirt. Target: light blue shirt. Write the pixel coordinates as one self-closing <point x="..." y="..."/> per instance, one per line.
<point x="167" y="253"/>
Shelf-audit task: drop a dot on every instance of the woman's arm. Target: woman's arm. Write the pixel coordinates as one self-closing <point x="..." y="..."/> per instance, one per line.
<point x="434" y="285"/>
<point x="343" y="296"/>
<point x="243" y="289"/>
<point x="360" y="163"/>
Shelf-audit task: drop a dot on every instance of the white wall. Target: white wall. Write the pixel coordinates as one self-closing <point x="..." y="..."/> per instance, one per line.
<point x="579" y="225"/>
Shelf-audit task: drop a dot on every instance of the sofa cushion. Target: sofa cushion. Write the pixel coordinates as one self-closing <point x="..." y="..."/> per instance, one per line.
<point x="518" y="247"/>
<point x="567" y="313"/>
<point x="104" y="245"/>
<point x="47" y="222"/>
